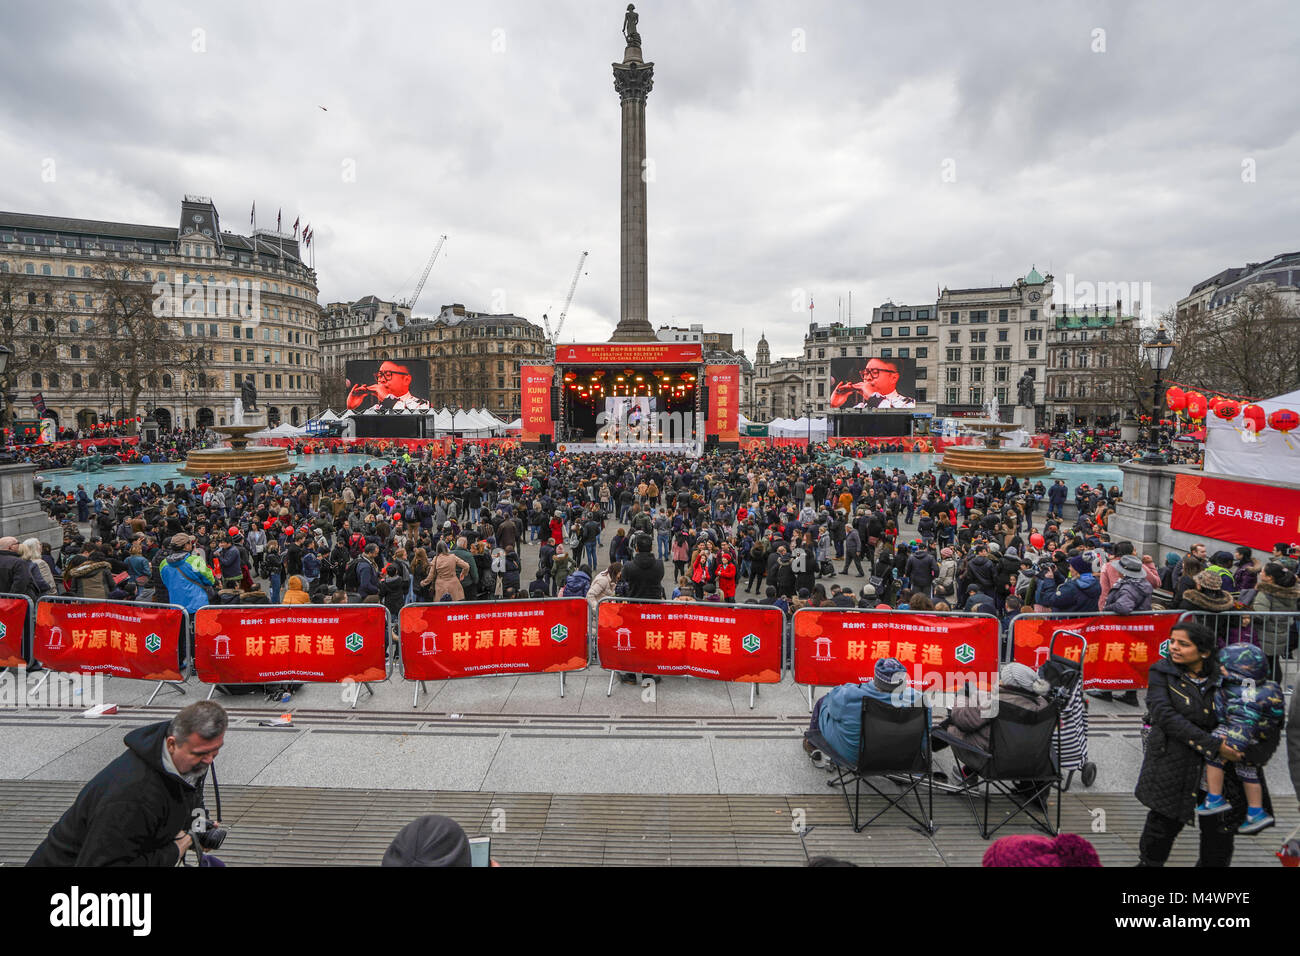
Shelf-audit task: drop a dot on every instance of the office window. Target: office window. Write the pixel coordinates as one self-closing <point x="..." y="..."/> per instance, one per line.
<point x="953" y="396"/>
<point x="1002" y="374"/>
<point x="978" y="336"/>
<point x="977" y="395"/>
<point x="920" y="394"/>
<point x="858" y="350"/>
<point x="1002" y="353"/>
<point x="922" y="373"/>
<point x="904" y="353"/>
<point x="905" y="331"/>
<point x="978" y="354"/>
<point x="953" y="355"/>
<point x="922" y="329"/>
<point x="979" y="315"/>
<point x="1002" y="315"/>
<point x="977" y="374"/>
<point x="1002" y="335"/>
<point x="886" y="316"/>
<point x="954" y="336"/>
<point x="923" y="352"/>
<point x="1033" y="351"/>
<point x="886" y="332"/>
<point x="1033" y="315"/>
<point x="886" y="353"/>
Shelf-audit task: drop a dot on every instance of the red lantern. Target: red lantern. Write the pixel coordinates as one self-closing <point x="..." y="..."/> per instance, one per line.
<point x="1196" y="406"/>
<point x="1284" y="420"/>
<point x="1227" y="409"/>
<point x="1176" y="399"/>
<point x="1214" y="403"/>
<point x="1252" y="418"/>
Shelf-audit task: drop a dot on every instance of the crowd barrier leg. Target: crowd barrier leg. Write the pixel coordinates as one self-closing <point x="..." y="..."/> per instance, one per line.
<point x="41" y="682"/>
<point x="609" y="691"/>
<point x="561" y="683"/>
<point x="174" y="685"/>
<point x="753" y="692"/>
<point x="356" y="694"/>
<point x="212" y="690"/>
<point x="419" y="686"/>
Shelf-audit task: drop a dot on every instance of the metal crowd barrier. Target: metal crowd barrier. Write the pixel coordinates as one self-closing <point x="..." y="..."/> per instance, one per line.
<point x="1277" y="633"/>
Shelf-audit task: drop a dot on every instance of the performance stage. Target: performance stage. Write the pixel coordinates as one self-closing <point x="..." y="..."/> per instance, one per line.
<point x="646" y="397"/>
<point x="690" y="449"/>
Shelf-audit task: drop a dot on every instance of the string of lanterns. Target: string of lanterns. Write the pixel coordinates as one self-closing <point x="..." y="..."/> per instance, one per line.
<point x="1196" y="407"/>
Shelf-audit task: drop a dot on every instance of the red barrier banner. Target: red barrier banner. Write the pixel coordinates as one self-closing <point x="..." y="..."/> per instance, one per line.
<point x="13" y="625"/>
<point x="720" y="642"/>
<point x="483" y="639"/>
<point x="314" y="643"/>
<point x="1120" y="647"/>
<point x="1237" y="511"/>
<point x="124" y="640"/>
<point x="724" y="402"/>
<point x="678" y="353"/>
<point x="842" y="647"/>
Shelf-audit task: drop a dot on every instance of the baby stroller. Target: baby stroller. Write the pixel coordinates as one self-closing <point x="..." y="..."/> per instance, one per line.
<point x="1066" y="679"/>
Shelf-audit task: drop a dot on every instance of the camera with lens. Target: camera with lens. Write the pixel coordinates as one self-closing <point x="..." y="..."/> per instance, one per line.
<point x="207" y="834"/>
<point x="1044" y="565"/>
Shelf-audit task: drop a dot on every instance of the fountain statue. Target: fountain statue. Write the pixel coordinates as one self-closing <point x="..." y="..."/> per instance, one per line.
<point x="240" y="458"/>
<point x="991" y="457"/>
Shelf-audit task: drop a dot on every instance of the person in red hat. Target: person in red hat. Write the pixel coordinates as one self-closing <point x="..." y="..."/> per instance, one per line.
<point x="1066" y="849"/>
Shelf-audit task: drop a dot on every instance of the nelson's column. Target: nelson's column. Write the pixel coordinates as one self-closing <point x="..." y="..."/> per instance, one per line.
<point x="633" y="79"/>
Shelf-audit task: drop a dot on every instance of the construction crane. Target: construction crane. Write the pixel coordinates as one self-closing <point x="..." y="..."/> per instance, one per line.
<point x="419" y="286"/>
<point x="554" y="336"/>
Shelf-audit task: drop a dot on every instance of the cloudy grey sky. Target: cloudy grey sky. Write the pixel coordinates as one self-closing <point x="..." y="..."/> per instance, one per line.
<point x="798" y="147"/>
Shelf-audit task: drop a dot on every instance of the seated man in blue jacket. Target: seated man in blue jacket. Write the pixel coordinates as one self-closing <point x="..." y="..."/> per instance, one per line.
<point x="838" y="714"/>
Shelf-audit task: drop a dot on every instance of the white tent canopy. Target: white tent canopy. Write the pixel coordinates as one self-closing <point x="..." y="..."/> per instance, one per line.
<point x="797" y="428"/>
<point x="328" y="416"/>
<point x="1272" y="456"/>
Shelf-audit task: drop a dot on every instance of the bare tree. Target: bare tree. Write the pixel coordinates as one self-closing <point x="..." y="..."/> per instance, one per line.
<point x="1250" y="347"/>
<point x="136" y="339"/>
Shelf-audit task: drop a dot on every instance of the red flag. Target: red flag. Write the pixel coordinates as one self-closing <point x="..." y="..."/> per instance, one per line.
<point x="295" y="227"/>
<point x="810" y="303"/>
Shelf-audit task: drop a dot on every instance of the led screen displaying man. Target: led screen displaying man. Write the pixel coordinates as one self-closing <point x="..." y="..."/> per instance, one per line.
<point x="875" y="386"/>
<point x="391" y="391"/>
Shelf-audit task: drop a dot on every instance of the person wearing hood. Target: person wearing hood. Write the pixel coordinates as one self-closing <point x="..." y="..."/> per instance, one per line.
<point x="1019" y="687"/>
<point x="295" y="593"/>
<point x="139" y="810"/>
<point x="1250" y="709"/>
<point x="1208" y="597"/>
<point x="837" y="716"/>
<point x="980" y="571"/>
<point x="92" y="578"/>
<point x="645" y="573"/>
<point x="431" y="840"/>
<point x="578" y="583"/>
<point x="1077" y="595"/>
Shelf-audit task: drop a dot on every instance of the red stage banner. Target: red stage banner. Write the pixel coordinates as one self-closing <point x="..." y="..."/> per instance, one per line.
<point x="1240" y="512"/>
<point x="315" y="643"/>
<point x="668" y="353"/>
<point x="13" y="625"/>
<point x="535" y="382"/>
<point x="125" y="640"/>
<point x="1121" y="647"/>
<point x="717" y="642"/>
<point x="724" y="402"/>
<point x="841" y="647"/>
<point x="484" y="639"/>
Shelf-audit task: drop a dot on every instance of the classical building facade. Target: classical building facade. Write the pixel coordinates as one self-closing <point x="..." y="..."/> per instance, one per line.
<point x="1219" y="292"/>
<point x="909" y="331"/>
<point x="235" y="307"/>
<point x="347" y="329"/>
<point x="474" y="357"/>
<point x="990" y="337"/>
<point x="1083" y="363"/>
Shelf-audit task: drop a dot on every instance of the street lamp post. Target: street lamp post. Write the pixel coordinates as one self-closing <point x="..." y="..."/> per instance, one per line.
<point x="5" y="354"/>
<point x="1160" y="349"/>
<point x="454" y="410"/>
<point x="808" y="410"/>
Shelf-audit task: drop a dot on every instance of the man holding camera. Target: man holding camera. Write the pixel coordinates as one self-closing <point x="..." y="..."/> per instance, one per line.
<point x="145" y="807"/>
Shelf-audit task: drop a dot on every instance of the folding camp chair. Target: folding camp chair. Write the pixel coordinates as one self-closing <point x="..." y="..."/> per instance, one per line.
<point x="1019" y="764"/>
<point x="893" y="741"/>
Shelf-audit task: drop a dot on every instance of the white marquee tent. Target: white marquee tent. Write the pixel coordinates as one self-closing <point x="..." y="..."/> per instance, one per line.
<point x="1271" y="456"/>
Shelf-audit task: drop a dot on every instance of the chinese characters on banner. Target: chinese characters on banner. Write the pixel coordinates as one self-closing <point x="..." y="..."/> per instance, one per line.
<point x="724" y="642"/>
<point x="724" y="402"/>
<point x="125" y="640"/>
<point x="1120" y="647"/>
<point x="842" y="647"/>
<point x="1258" y="516"/>
<point x="477" y="639"/>
<point x="679" y="353"/>
<point x="13" y="625"/>
<point x="535" y="385"/>
<point x="327" y="644"/>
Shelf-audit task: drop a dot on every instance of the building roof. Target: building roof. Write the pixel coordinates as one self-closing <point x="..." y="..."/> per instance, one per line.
<point x="1033" y="278"/>
<point x="1090" y="320"/>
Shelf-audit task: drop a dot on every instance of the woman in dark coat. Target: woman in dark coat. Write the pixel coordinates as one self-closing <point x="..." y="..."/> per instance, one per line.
<point x="1180" y="712"/>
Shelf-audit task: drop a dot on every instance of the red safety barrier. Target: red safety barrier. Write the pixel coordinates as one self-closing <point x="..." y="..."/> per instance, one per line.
<point x="727" y="642"/>
<point x="312" y="643"/>
<point x="1121" y="647"/>
<point x="136" y="641"/>
<point x="15" y="614"/>
<point x="487" y="639"/>
<point x="942" y="651"/>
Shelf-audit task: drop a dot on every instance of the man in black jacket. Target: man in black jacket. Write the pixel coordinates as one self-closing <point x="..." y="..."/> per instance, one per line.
<point x="140" y="809"/>
<point x="644" y="574"/>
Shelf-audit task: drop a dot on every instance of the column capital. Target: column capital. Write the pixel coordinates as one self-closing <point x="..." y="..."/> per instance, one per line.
<point x="633" y="81"/>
